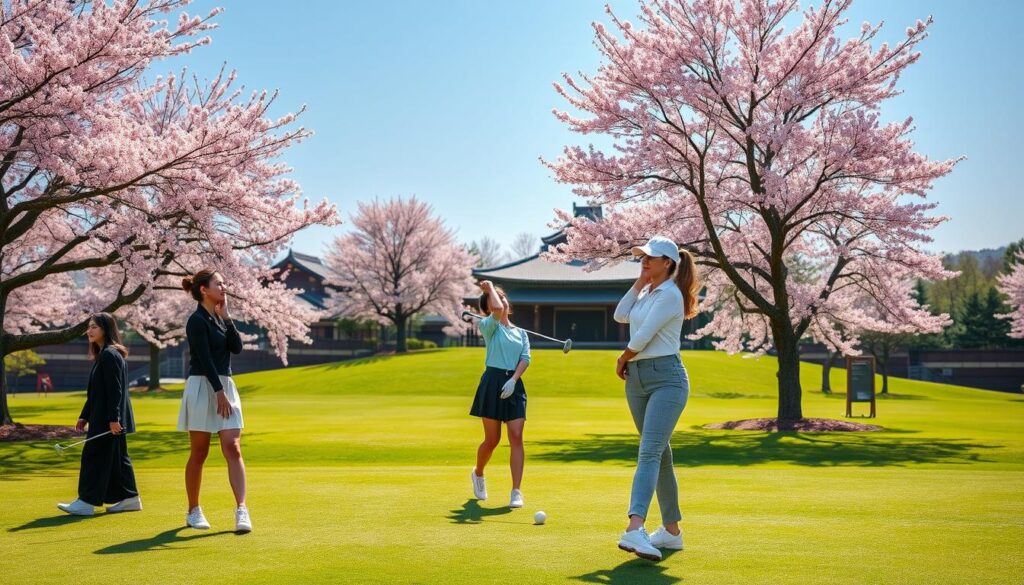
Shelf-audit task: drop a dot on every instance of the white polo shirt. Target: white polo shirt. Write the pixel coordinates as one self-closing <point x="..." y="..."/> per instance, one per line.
<point x="655" y="320"/>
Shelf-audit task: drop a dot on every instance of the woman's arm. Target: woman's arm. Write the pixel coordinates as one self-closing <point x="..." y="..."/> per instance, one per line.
<point x="234" y="339"/>
<point x="493" y="300"/>
<point x="520" y="369"/>
<point x="620" y="364"/>
<point x="199" y="340"/>
<point x="628" y="300"/>
<point x="111" y="375"/>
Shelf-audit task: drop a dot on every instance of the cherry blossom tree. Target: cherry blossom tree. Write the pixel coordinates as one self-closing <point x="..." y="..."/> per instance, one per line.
<point x="399" y="261"/>
<point x="757" y="146"/>
<point x="257" y="296"/>
<point x="108" y="178"/>
<point x="1012" y="285"/>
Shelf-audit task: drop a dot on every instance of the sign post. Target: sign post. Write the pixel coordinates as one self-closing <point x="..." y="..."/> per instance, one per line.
<point x="860" y="383"/>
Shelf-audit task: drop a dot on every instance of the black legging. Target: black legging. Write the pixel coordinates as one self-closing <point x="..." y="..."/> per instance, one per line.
<point x="106" y="476"/>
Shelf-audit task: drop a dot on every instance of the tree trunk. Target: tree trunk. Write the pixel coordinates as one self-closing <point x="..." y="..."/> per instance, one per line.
<point x="826" y="370"/>
<point x="400" y="334"/>
<point x="154" y="366"/>
<point x="5" y="411"/>
<point x="789" y="374"/>
<point x="884" y="369"/>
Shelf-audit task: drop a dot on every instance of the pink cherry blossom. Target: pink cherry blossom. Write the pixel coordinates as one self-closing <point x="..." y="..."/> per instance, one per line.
<point x="761" y="148"/>
<point x="399" y="261"/>
<point x="1012" y="285"/>
<point x="112" y="183"/>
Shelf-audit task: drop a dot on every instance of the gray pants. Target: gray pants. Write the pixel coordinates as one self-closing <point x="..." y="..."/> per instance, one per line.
<point x="656" y="390"/>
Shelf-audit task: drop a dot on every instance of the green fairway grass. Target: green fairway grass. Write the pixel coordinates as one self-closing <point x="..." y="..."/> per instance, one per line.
<point x="358" y="473"/>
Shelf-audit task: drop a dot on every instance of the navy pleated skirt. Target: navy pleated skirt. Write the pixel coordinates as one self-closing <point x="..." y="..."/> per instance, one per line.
<point x="488" y="402"/>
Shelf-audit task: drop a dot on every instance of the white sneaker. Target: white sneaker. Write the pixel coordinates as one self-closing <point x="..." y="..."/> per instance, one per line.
<point x="127" y="505"/>
<point x="479" y="485"/>
<point x="242" y="521"/>
<point x="516" y="501"/>
<point x="78" y="508"/>
<point x="195" y="519"/>
<point x="637" y="542"/>
<point x="662" y="538"/>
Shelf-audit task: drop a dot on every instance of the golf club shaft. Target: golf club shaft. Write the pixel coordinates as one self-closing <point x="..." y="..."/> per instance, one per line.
<point x="475" y="316"/>
<point x="85" y="440"/>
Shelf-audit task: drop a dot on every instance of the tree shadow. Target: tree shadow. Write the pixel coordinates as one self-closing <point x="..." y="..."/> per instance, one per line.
<point x="52" y="521"/>
<point x="730" y="395"/>
<point x="20" y="412"/>
<point x="634" y="571"/>
<point x="697" y="447"/>
<point x="158" y="395"/>
<point x="21" y="459"/>
<point x="162" y="541"/>
<point x="472" y="513"/>
<point x="891" y="396"/>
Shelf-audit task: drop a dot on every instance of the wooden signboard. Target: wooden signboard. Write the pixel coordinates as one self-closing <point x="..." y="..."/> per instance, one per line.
<point x="860" y="382"/>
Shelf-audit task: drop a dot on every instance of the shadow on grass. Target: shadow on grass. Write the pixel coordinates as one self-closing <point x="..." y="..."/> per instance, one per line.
<point x="730" y="395"/>
<point x="635" y="570"/>
<point x="52" y="521"/>
<point x="162" y="541"/>
<point x="696" y="447"/>
<point x="880" y="396"/>
<point x="472" y="513"/>
<point x="157" y="395"/>
<point x="891" y="396"/>
<point x="17" y="460"/>
<point x="19" y="412"/>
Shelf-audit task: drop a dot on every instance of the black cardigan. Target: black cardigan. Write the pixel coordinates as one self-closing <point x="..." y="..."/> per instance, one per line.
<point x="106" y="398"/>
<point x="209" y="342"/>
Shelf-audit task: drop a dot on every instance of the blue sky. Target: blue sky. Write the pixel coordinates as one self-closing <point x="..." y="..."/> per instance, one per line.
<point x="450" y="101"/>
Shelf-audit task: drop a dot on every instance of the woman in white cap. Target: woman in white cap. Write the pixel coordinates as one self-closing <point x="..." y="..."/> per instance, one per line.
<point x="657" y="386"/>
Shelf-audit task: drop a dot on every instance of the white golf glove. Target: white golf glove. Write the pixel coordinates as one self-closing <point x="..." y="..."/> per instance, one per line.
<point x="508" y="388"/>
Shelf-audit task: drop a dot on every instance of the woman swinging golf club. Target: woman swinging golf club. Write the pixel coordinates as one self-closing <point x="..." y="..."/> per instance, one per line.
<point x="657" y="386"/>
<point x="210" y="403"/>
<point x="106" y="475"/>
<point x="501" y="395"/>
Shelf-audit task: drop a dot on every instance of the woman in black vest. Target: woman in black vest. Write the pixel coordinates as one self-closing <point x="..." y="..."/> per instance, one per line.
<point x="210" y="403"/>
<point x="106" y="475"/>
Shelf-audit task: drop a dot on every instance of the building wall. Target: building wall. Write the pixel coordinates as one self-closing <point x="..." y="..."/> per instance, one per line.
<point x="69" y="365"/>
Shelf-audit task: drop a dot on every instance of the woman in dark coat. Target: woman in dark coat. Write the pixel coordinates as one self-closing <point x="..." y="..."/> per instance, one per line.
<point x="106" y="475"/>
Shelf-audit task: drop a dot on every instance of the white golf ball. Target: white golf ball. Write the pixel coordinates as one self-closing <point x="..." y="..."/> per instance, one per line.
<point x="540" y="517"/>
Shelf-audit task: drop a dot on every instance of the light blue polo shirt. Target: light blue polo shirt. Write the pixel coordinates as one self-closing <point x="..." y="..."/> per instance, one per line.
<point x="505" y="346"/>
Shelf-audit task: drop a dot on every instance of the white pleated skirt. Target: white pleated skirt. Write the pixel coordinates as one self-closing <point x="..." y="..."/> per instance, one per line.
<point x="199" y="406"/>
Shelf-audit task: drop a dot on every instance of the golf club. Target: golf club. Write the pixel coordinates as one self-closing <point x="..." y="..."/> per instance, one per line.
<point x="62" y="448"/>
<point x="566" y="344"/>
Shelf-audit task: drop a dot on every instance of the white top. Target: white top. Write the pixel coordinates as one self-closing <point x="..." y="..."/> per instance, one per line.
<point x="655" y="320"/>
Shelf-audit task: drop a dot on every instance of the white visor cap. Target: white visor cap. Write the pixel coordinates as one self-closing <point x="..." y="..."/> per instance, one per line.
<point x="658" y="246"/>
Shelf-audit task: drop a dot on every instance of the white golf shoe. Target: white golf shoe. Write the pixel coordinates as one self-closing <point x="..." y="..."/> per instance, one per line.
<point x="242" y="521"/>
<point x="195" y="519"/>
<point x="479" y="485"/>
<point x="127" y="505"/>
<point x="638" y="543"/>
<point x="662" y="538"/>
<point x="78" y="508"/>
<point x="516" y="500"/>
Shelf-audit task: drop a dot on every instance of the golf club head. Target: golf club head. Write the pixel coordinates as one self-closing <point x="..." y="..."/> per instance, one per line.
<point x="467" y="316"/>
<point x="567" y="346"/>
<point x="60" y="449"/>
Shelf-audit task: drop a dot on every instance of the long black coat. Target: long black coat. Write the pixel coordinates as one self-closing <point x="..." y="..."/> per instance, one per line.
<point x="107" y="395"/>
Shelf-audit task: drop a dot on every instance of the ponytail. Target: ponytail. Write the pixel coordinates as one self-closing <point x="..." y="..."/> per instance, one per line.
<point x="688" y="282"/>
